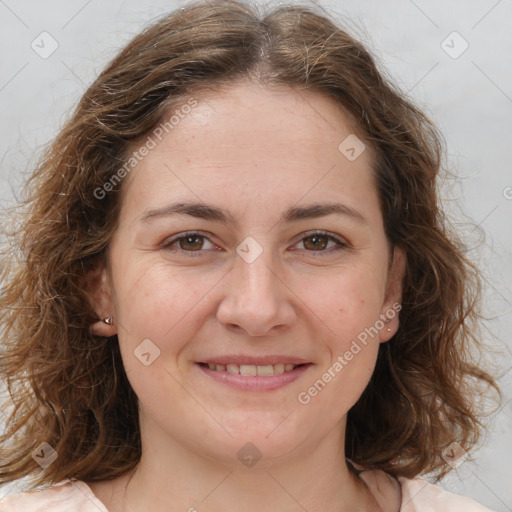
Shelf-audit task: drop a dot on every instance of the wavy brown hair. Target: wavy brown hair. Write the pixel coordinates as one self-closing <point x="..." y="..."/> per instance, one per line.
<point x="68" y="387"/>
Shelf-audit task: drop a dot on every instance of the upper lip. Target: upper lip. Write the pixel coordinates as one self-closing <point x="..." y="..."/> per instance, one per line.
<point x="254" y="360"/>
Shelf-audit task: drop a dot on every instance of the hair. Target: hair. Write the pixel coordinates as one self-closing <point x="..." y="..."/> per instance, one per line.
<point x="68" y="387"/>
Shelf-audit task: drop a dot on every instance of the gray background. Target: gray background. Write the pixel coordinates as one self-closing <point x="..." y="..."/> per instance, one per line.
<point x="469" y="97"/>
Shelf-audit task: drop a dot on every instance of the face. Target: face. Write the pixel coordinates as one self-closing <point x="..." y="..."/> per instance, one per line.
<point x="250" y="278"/>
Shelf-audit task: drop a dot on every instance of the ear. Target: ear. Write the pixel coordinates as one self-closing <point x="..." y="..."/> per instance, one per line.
<point x="393" y="297"/>
<point x="98" y="288"/>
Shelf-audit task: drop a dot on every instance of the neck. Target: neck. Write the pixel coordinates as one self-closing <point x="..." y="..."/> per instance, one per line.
<point x="172" y="478"/>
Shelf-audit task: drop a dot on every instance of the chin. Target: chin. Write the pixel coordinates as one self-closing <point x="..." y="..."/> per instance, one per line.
<point x="254" y="438"/>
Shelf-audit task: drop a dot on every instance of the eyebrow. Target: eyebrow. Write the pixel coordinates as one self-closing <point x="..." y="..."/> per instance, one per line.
<point x="216" y="214"/>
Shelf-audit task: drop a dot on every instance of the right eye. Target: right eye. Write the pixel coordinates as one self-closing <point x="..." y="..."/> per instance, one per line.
<point x="190" y="242"/>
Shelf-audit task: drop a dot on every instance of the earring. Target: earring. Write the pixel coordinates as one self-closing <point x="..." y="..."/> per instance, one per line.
<point x="389" y="330"/>
<point x="109" y="320"/>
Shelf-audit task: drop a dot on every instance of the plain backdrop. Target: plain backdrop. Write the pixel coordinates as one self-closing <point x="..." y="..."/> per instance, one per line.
<point x="451" y="57"/>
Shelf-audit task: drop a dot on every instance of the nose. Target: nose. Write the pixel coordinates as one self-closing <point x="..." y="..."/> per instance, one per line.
<point x="256" y="301"/>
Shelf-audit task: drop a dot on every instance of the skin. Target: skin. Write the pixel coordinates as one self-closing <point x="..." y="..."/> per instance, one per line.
<point x="256" y="152"/>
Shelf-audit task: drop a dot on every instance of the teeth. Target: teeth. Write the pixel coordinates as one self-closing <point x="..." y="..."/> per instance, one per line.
<point x="218" y="367"/>
<point x="265" y="370"/>
<point x="278" y="368"/>
<point x="233" y="368"/>
<point x="250" y="370"/>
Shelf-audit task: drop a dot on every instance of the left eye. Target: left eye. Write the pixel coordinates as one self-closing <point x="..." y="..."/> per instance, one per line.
<point x="320" y="242"/>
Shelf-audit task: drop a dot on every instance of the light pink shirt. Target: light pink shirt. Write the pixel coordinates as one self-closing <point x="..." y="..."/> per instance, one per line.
<point x="418" y="495"/>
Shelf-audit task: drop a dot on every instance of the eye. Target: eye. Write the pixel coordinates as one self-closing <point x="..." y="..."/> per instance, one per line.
<point x="188" y="243"/>
<point x="321" y="241"/>
<point x="195" y="242"/>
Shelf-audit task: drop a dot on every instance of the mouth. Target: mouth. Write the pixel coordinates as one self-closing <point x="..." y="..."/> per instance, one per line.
<point x="250" y="370"/>
<point x="248" y="375"/>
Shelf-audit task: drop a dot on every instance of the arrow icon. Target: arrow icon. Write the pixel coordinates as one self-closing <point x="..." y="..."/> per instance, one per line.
<point x="147" y="352"/>
<point x="249" y="249"/>
<point x="45" y="455"/>
<point x="454" y="455"/>
<point x="44" y="44"/>
<point x="351" y="147"/>
<point x="249" y="455"/>
<point x="454" y="45"/>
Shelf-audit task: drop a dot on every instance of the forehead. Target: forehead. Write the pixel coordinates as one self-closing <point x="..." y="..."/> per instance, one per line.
<point x="253" y="140"/>
<point x="249" y="116"/>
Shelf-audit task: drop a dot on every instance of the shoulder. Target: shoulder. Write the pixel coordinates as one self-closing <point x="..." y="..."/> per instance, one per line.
<point x="419" y="495"/>
<point x="65" y="496"/>
<point x="414" y="495"/>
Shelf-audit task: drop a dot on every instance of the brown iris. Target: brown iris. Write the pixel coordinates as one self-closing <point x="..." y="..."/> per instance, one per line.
<point x="318" y="242"/>
<point x="191" y="242"/>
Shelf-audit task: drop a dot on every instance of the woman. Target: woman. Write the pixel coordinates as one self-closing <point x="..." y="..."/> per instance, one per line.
<point x="236" y="290"/>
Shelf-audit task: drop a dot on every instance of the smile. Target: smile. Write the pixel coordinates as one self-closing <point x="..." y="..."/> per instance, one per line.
<point x="249" y="370"/>
<point x="254" y="374"/>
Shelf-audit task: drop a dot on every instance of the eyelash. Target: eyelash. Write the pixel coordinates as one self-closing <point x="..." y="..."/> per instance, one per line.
<point x="341" y="244"/>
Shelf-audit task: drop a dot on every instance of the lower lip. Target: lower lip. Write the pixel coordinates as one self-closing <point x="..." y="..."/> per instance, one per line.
<point x="256" y="383"/>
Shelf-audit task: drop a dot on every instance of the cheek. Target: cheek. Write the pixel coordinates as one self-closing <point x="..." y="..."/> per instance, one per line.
<point x="349" y="307"/>
<point x="154" y="303"/>
<point x="350" y="350"/>
<point x="165" y="308"/>
<point x="349" y="302"/>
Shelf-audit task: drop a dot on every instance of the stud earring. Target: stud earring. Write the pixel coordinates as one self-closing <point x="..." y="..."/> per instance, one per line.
<point x="109" y="320"/>
<point x="389" y="330"/>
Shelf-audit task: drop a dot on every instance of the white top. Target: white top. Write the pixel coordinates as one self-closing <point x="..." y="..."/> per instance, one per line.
<point x="418" y="495"/>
